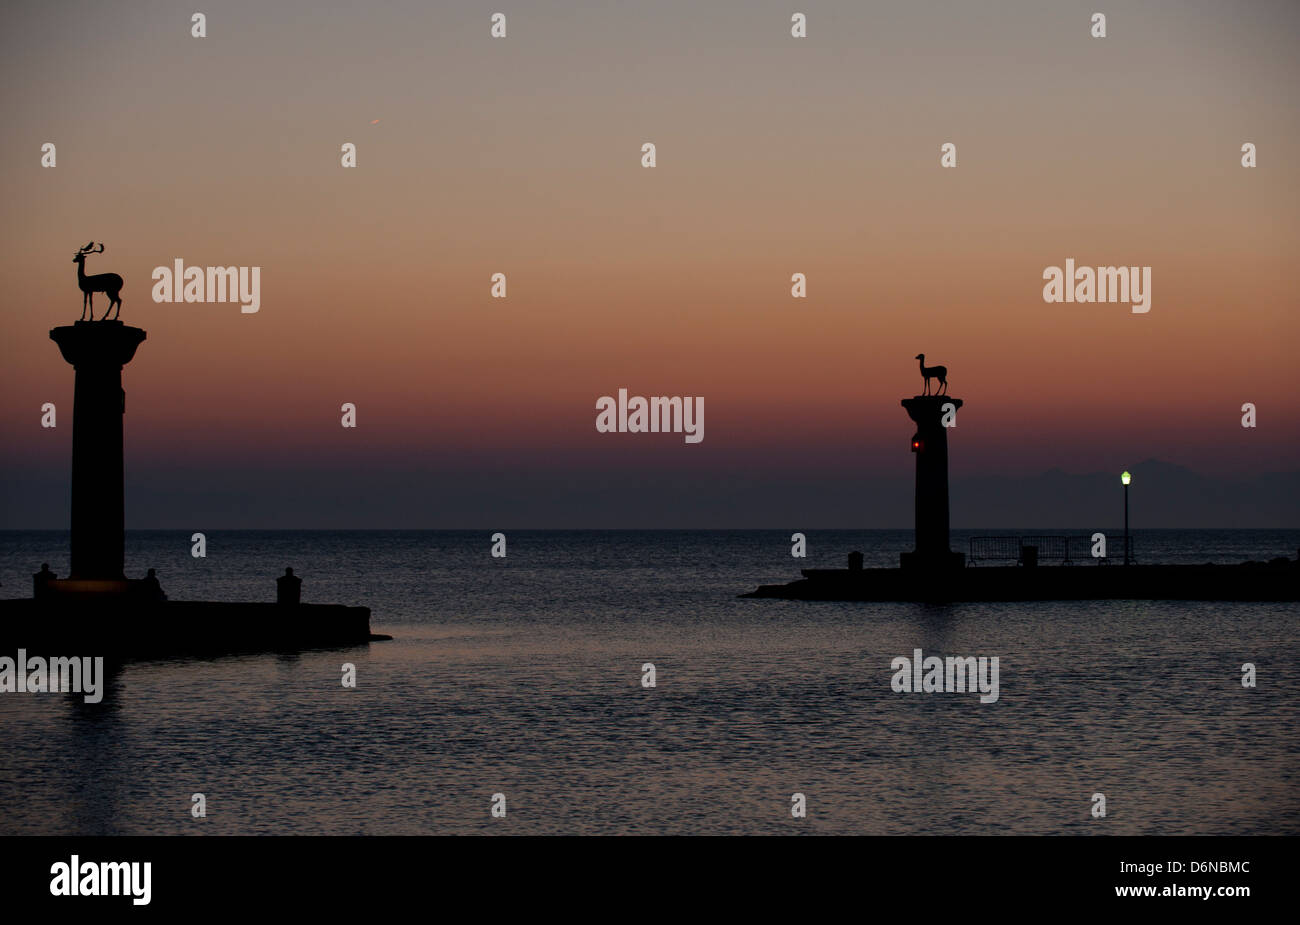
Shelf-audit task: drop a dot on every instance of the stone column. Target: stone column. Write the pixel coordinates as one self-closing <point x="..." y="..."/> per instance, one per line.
<point x="930" y="444"/>
<point x="97" y="350"/>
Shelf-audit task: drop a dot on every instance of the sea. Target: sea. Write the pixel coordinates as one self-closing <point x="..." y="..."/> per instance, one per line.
<point x="520" y="684"/>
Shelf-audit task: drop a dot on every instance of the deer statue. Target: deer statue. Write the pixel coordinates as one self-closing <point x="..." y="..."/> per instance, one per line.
<point x="933" y="372"/>
<point x="108" y="283"/>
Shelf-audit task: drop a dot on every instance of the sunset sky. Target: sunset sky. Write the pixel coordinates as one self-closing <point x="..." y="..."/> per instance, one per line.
<point x="523" y="156"/>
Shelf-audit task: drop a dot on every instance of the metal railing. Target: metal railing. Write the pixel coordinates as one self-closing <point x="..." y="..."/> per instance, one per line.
<point x="1064" y="549"/>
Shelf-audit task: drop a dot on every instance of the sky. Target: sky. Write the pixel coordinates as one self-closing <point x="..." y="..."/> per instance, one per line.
<point x="522" y="155"/>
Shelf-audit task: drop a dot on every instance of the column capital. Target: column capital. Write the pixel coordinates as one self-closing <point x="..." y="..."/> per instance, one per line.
<point x="98" y="343"/>
<point x="927" y="409"/>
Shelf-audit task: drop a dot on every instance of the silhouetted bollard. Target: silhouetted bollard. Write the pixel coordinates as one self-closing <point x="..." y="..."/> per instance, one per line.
<point x="288" y="589"/>
<point x="153" y="588"/>
<point x="1029" y="556"/>
<point x="40" y="580"/>
<point x="855" y="562"/>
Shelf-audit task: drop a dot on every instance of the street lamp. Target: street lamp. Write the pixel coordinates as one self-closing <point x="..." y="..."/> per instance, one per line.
<point x="1126" y="478"/>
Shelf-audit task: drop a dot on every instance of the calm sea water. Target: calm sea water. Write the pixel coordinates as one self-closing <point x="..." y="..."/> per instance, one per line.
<point x="522" y="676"/>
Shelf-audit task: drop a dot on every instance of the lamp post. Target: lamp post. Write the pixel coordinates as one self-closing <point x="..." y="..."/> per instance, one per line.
<point x="1126" y="478"/>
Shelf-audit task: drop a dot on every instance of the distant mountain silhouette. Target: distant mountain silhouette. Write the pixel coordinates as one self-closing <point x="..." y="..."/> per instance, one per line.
<point x="526" y="493"/>
<point x="1162" y="495"/>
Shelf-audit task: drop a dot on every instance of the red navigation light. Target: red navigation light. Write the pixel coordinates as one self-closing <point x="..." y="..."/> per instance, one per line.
<point x="916" y="445"/>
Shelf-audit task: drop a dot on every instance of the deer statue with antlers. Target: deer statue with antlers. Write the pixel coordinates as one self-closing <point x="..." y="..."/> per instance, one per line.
<point x="108" y="283"/>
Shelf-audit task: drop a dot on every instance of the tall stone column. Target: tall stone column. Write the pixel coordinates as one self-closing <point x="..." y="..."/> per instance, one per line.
<point x="97" y="350"/>
<point x="930" y="444"/>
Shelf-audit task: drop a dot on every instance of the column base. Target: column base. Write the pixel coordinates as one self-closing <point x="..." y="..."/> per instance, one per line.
<point x="942" y="561"/>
